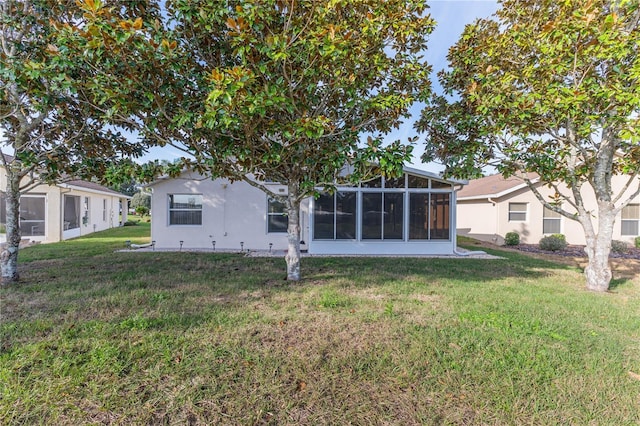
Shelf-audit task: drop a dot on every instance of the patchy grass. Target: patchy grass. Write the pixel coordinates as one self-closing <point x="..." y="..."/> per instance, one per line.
<point x="94" y="336"/>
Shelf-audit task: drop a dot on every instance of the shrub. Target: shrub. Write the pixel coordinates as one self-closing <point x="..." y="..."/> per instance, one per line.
<point x="637" y="242"/>
<point x="512" y="239"/>
<point x="553" y="242"/>
<point x="131" y="223"/>
<point x="140" y="199"/>
<point x="619" y="247"/>
<point x="142" y="210"/>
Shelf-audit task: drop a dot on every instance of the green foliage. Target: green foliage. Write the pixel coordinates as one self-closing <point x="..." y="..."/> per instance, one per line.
<point x="526" y="92"/>
<point x="637" y="242"/>
<point x="53" y="112"/>
<point x="553" y="242"/>
<point x="286" y="113"/>
<point x="141" y="199"/>
<point x="619" y="247"/>
<point x="142" y="210"/>
<point x="512" y="239"/>
<point x="266" y="99"/>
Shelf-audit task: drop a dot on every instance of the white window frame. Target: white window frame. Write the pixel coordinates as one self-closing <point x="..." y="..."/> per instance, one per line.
<point x="195" y="209"/>
<point x="270" y="214"/>
<point x="104" y="209"/>
<point x="546" y="219"/>
<point x="518" y="212"/>
<point x="631" y="220"/>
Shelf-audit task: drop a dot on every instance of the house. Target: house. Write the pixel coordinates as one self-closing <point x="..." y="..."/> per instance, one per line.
<point x="52" y="213"/>
<point x="491" y="206"/>
<point x="414" y="214"/>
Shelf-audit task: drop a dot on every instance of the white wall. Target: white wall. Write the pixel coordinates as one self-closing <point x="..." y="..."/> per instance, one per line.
<point x="231" y="214"/>
<point x="235" y="213"/>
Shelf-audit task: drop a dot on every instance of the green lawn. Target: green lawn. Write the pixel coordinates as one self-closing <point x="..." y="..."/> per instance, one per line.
<point x="94" y="336"/>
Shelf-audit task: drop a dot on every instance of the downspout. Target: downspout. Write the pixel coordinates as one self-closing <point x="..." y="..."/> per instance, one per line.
<point x="497" y="216"/>
<point x="455" y="249"/>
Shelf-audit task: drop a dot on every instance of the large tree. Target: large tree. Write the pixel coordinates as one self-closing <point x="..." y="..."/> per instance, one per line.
<point x="299" y="83"/>
<point x="49" y="120"/>
<point x="551" y="87"/>
<point x="277" y="90"/>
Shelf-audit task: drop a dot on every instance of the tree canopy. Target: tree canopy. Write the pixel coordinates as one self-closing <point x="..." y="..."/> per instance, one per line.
<point x="552" y="88"/>
<point x="300" y="82"/>
<point x="275" y="90"/>
<point x="51" y="124"/>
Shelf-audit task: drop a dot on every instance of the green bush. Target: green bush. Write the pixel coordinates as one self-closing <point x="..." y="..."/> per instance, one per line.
<point x="637" y="242"/>
<point x="512" y="239"/>
<point x="142" y="210"/>
<point x="131" y="223"/>
<point x="553" y="242"/>
<point x="619" y="247"/>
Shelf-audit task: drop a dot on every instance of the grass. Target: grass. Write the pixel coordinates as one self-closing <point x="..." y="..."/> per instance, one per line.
<point x="93" y="336"/>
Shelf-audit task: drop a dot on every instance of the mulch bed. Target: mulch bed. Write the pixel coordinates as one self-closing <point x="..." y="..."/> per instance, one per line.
<point x="576" y="251"/>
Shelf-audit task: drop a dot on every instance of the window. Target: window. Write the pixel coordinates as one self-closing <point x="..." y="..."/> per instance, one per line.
<point x="32" y="215"/>
<point x="382" y="216"/>
<point x="71" y="213"/>
<point x="418" y="182"/>
<point x="185" y="209"/>
<point x="277" y="220"/>
<point x="550" y="222"/>
<point x="393" y="215"/>
<point x="345" y="215"/>
<point x="334" y="216"/>
<point x="373" y="183"/>
<point x="429" y="217"/>
<point x="630" y="219"/>
<point x="439" y="229"/>
<point x="372" y="216"/>
<point x="517" y="212"/>
<point x="104" y="209"/>
<point x="435" y="184"/>
<point x="419" y="216"/>
<point x="324" y="217"/>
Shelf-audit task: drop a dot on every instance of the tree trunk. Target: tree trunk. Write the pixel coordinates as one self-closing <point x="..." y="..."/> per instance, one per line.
<point x="598" y="271"/>
<point x="293" y="234"/>
<point x="9" y="253"/>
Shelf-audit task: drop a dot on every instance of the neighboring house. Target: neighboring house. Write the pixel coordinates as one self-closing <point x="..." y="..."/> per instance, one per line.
<point x="414" y="214"/>
<point x="490" y="207"/>
<point x="51" y="213"/>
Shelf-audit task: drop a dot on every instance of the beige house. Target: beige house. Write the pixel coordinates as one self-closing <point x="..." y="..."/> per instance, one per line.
<point x="414" y="214"/>
<point x="52" y="213"/>
<point x="490" y="207"/>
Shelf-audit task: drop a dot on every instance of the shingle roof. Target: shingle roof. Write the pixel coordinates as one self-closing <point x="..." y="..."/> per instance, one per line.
<point x="93" y="186"/>
<point x="493" y="186"/>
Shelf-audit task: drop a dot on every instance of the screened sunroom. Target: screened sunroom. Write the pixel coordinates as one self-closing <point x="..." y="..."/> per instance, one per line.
<point x="414" y="214"/>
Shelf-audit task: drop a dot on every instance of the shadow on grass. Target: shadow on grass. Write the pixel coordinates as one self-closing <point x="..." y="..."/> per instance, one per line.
<point x="87" y="278"/>
<point x="618" y="282"/>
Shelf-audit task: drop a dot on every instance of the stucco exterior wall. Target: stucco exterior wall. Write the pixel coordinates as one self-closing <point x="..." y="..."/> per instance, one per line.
<point x="231" y="214"/>
<point x="237" y="213"/>
<point x="477" y="219"/>
<point x="53" y="199"/>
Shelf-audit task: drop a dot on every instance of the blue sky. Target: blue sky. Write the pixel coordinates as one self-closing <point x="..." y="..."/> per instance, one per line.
<point x="451" y="17"/>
